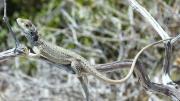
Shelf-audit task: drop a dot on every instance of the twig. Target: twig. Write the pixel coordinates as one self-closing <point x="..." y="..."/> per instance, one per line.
<point x="149" y="18"/>
<point x="138" y="54"/>
<point x="175" y="39"/>
<point x="10" y="53"/>
<point x="6" y="21"/>
<point x="113" y="66"/>
<point x="166" y="65"/>
<point x="167" y="62"/>
<point x="154" y="87"/>
<point x="168" y="48"/>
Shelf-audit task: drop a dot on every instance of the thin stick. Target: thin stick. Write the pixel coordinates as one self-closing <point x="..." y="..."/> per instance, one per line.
<point x="149" y="18"/>
<point x="5" y="19"/>
<point x="144" y="79"/>
<point x="10" y="53"/>
<point x="167" y="62"/>
<point x="137" y="55"/>
<point x="166" y="65"/>
<point x="175" y="39"/>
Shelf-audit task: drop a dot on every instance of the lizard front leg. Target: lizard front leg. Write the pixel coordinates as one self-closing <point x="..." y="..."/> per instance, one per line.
<point x="28" y="53"/>
<point x="77" y="67"/>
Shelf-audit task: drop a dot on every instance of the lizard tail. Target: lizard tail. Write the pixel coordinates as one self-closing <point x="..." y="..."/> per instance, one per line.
<point x="94" y="72"/>
<point x="102" y="77"/>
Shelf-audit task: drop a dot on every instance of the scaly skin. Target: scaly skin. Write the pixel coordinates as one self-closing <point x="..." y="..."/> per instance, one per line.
<point x="58" y="54"/>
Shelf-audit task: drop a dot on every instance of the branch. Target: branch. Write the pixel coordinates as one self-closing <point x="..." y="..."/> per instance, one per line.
<point x="149" y="18"/>
<point x="6" y="21"/>
<point x="113" y="66"/>
<point x="174" y="93"/>
<point x="109" y="67"/>
<point x="11" y="53"/>
<point x="167" y="62"/>
<point x="168" y="51"/>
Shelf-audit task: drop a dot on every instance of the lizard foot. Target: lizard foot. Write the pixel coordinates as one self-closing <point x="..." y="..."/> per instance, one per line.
<point x="21" y="49"/>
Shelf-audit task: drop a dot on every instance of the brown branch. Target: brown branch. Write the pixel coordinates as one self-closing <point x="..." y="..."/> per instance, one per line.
<point x="113" y="66"/>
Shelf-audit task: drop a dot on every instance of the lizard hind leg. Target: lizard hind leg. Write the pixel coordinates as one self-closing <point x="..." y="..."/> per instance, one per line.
<point x="84" y="83"/>
<point x="77" y="67"/>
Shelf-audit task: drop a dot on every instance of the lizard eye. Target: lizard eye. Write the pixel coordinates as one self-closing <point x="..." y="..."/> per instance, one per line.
<point x="27" y="25"/>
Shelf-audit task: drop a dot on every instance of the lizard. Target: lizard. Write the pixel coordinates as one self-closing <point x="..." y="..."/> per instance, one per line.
<point x="60" y="55"/>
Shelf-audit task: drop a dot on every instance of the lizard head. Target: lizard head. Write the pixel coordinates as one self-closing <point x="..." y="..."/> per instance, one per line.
<point x="29" y="30"/>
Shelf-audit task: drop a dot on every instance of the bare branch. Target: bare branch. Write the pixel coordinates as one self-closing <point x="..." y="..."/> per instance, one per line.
<point x="154" y="87"/>
<point x="108" y="67"/>
<point x="11" y="53"/>
<point x="149" y="18"/>
<point x="166" y="66"/>
<point x="6" y="21"/>
<point x="167" y="62"/>
<point x="113" y="66"/>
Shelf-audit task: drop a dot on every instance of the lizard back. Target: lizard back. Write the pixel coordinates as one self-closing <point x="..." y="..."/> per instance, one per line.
<point x="56" y="53"/>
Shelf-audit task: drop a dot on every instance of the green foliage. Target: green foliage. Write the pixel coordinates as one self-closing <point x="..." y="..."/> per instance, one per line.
<point x="87" y="41"/>
<point x="70" y="46"/>
<point x="28" y="67"/>
<point x="169" y="1"/>
<point x="60" y="38"/>
<point x="3" y="34"/>
<point x="55" y="22"/>
<point x="85" y="2"/>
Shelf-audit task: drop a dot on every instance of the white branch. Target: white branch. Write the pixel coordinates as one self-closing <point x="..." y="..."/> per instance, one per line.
<point x="149" y="18"/>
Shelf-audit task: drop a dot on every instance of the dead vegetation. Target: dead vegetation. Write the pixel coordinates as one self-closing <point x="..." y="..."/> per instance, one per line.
<point x="102" y="31"/>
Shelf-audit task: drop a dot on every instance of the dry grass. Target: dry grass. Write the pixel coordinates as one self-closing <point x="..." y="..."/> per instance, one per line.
<point x="100" y="30"/>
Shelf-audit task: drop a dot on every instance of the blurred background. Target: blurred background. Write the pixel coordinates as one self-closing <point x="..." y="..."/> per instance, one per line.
<point x="101" y="31"/>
